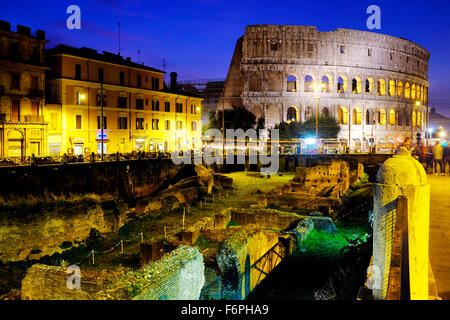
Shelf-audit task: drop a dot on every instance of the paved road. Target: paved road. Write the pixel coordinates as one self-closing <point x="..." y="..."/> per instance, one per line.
<point x="440" y="233"/>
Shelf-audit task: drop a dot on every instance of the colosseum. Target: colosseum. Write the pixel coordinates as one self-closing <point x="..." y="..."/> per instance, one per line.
<point x="375" y="85"/>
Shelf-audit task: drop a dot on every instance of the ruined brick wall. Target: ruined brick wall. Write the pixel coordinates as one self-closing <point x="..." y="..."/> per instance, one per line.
<point x="44" y="282"/>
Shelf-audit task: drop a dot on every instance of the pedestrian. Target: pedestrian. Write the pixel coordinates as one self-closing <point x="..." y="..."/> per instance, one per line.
<point x="407" y="143"/>
<point x="438" y="158"/>
<point x="447" y="158"/>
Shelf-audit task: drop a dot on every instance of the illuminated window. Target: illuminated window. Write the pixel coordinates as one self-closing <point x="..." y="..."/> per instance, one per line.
<point x="78" y="122"/>
<point x="392" y="117"/>
<point x="414" y="119"/>
<point x="400" y="89"/>
<point x="381" y="87"/>
<point x="167" y="125"/>
<point x="369" y="85"/>
<point x="413" y="92"/>
<point x="139" y="123"/>
<point x="343" y="115"/>
<point x="407" y="91"/>
<point x="391" y="88"/>
<point x="356" y="85"/>
<point x="341" y="85"/>
<point x="291" y="85"/>
<point x="357" y="116"/>
<point x="155" y="124"/>
<point x="308" y="83"/>
<point x="382" y="117"/>
<point x="292" y="114"/>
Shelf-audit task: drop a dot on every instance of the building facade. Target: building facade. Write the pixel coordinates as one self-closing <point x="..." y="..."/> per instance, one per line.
<point x="138" y="114"/>
<point x="23" y="130"/>
<point x="375" y="85"/>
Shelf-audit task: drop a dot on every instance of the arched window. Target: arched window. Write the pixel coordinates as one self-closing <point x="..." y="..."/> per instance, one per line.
<point x="356" y="85"/>
<point x="369" y="85"/>
<point x="357" y="116"/>
<point x="292" y="83"/>
<point x="292" y="114"/>
<point x="308" y="83"/>
<point x="381" y="87"/>
<point x="413" y="92"/>
<point x="382" y="117"/>
<point x="325" y="112"/>
<point x="407" y="91"/>
<point x="368" y="117"/>
<point x="407" y="116"/>
<point x="419" y="118"/>
<point x="400" y="89"/>
<point x="414" y="119"/>
<point x="422" y="95"/>
<point x="400" y="118"/>
<point x="341" y="85"/>
<point x="391" y="88"/>
<point x="343" y="115"/>
<point x="392" y="117"/>
<point x="326" y="83"/>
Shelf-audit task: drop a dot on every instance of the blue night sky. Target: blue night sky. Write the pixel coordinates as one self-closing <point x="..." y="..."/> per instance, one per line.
<point x="197" y="37"/>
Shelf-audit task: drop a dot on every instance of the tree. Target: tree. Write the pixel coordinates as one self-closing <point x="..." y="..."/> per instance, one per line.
<point x="328" y="128"/>
<point x="235" y="118"/>
<point x="288" y="131"/>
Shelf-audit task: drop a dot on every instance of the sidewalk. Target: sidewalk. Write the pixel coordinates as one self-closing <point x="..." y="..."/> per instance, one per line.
<point x="440" y="233"/>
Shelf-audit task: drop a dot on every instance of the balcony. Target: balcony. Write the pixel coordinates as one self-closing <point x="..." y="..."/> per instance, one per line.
<point x="34" y="118"/>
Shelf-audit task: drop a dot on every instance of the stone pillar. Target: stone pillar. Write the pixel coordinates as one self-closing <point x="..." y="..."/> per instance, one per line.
<point x="401" y="175"/>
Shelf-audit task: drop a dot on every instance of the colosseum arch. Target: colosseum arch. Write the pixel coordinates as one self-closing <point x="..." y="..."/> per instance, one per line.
<point x="407" y="91"/>
<point x="292" y="83"/>
<point x="400" y="89"/>
<point x="356" y="85"/>
<point x="369" y="85"/>
<point x="413" y="92"/>
<point x="308" y="113"/>
<point x="273" y="113"/>
<point x="327" y="83"/>
<point x="382" y="117"/>
<point x="342" y="84"/>
<point x="292" y="114"/>
<point x="369" y="117"/>
<point x="343" y="115"/>
<point x="381" y="87"/>
<point x="392" y="120"/>
<point x="414" y="119"/>
<point x="256" y="110"/>
<point x="400" y="118"/>
<point x="357" y="115"/>
<point x="419" y="118"/>
<point x="392" y="88"/>
<point x="275" y="81"/>
<point x="309" y="80"/>
<point x="325" y="112"/>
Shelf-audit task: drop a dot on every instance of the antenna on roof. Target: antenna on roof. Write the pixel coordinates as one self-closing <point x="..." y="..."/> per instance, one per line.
<point x="119" y="37"/>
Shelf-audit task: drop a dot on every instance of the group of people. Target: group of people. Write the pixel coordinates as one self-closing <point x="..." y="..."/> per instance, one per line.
<point x="433" y="157"/>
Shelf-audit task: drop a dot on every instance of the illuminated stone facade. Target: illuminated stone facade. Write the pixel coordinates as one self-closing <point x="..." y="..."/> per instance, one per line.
<point x="22" y="81"/>
<point x="139" y="115"/>
<point x="375" y="85"/>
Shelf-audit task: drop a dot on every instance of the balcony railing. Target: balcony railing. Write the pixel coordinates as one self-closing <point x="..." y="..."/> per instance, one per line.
<point x="34" y="118"/>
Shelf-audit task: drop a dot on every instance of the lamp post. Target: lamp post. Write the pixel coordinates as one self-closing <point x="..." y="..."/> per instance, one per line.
<point x="316" y="88"/>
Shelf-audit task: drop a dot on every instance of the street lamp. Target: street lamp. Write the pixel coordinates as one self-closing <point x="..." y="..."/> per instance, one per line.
<point x="317" y="87"/>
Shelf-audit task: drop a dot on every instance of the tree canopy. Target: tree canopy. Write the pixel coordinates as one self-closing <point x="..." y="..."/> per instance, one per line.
<point x="235" y="118"/>
<point x="328" y="128"/>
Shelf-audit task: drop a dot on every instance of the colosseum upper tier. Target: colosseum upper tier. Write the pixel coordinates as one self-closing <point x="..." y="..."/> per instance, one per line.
<point x="375" y="85"/>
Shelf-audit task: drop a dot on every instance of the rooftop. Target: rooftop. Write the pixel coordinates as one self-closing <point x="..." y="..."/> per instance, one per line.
<point x="93" y="54"/>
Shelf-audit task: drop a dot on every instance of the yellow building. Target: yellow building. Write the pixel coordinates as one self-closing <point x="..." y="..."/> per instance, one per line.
<point x="22" y="81"/>
<point x="138" y="113"/>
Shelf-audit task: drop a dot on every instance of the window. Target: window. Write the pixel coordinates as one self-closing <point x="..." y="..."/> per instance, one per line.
<point x="179" y="108"/>
<point x="382" y="117"/>
<point x="342" y="49"/>
<point x="14" y="52"/>
<point x="369" y="52"/>
<point x="122" y="102"/>
<point x="179" y="125"/>
<point x="99" y="100"/>
<point x="122" y="78"/>
<point x="357" y="116"/>
<point x="343" y="115"/>
<point x="292" y="114"/>
<point x="100" y="74"/>
<point x="35" y="108"/>
<point x="167" y="106"/>
<point x="167" y="125"/>
<point x="390" y="56"/>
<point x="78" y="121"/>
<point x="193" y="109"/>
<point x="392" y="119"/>
<point x="80" y="98"/>
<point x="341" y="87"/>
<point x="123" y="123"/>
<point x="99" y="122"/>
<point x="310" y="47"/>
<point x="140" y="123"/>
<point x="78" y="71"/>
<point x="155" y="83"/>
<point x="308" y="83"/>
<point x="34" y="83"/>
<point x="35" y="56"/>
<point x="155" y="124"/>
<point x="368" y="117"/>
<point x="194" y="126"/>
<point x="139" y="81"/>
<point x="15" y="111"/>
<point x="155" y="105"/>
<point x="146" y="79"/>
<point x="140" y="103"/>
<point x="15" y="80"/>
<point x="274" y="45"/>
